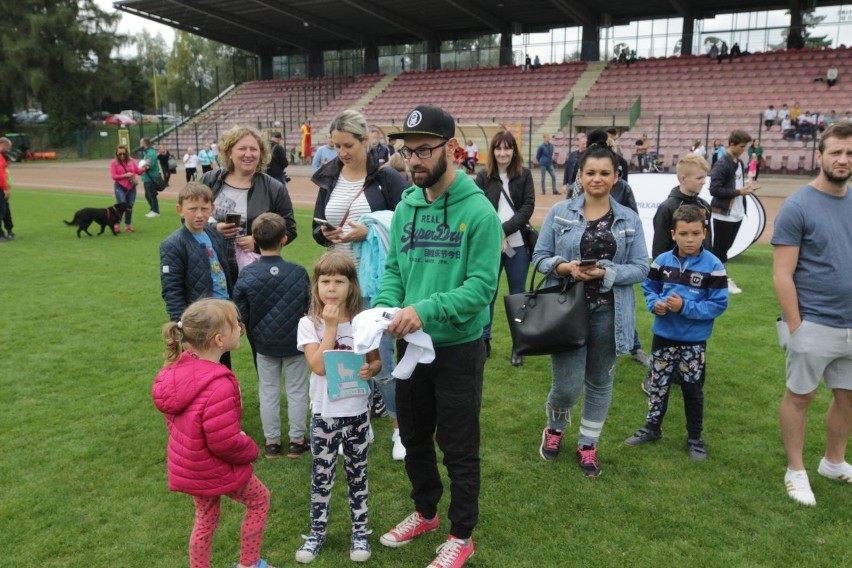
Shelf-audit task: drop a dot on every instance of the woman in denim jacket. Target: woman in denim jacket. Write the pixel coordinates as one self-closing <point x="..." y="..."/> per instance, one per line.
<point x="592" y="226"/>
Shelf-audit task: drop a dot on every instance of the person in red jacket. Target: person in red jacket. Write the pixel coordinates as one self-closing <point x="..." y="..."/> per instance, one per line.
<point x="5" y="213"/>
<point x="208" y="453"/>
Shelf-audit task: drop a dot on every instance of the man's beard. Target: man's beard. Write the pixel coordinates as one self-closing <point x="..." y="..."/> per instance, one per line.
<point x="436" y="173"/>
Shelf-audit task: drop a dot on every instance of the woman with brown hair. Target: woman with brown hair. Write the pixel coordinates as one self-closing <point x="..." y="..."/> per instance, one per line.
<point x="509" y="187"/>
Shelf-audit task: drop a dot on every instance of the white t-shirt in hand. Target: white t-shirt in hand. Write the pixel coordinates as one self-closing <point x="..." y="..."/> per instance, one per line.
<point x="320" y="404"/>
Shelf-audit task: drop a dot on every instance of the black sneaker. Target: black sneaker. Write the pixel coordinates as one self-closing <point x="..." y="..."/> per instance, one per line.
<point x="294" y="450"/>
<point x="643" y="435"/>
<point x="550" y="442"/>
<point x="588" y="458"/>
<point x="697" y="449"/>
<point x="272" y="451"/>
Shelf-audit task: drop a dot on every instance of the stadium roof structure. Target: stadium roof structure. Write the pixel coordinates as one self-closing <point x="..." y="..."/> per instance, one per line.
<point x="281" y="27"/>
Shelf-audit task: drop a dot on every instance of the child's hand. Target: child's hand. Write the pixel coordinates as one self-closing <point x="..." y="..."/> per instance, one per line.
<point x="660" y="308"/>
<point x="330" y="313"/>
<point x="674" y="303"/>
<point x="365" y="373"/>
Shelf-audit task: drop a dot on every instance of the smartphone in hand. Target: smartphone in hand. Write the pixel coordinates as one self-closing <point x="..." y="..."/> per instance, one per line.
<point x="233" y="218"/>
<point x="588" y="261"/>
<point x="324" y="223"/>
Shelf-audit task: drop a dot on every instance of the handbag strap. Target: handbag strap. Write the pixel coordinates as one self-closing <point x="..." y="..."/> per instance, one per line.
<point x="357" y="195"/>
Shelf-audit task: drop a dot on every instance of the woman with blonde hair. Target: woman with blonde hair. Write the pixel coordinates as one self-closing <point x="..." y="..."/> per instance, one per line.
<point x="240" y="187"/>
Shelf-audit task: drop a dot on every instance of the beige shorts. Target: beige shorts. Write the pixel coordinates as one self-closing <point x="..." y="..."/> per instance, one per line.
<point x="816" y="351"/>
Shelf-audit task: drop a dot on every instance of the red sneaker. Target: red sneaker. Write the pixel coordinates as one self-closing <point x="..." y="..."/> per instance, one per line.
<point x="453" y="553"/>
<point x="116" y="228"/>
<point x="412" y="526"/>
<point x="129" y="228"/>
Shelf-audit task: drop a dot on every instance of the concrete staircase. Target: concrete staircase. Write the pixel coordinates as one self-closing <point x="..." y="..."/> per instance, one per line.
<point x="579" y="92"/>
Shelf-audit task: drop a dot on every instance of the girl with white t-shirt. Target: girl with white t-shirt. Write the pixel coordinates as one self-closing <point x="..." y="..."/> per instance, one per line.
<point x="342" y="423"/>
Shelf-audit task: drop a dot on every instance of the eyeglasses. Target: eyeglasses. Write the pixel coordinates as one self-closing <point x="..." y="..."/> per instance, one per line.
<point x="122" y="153"/>
<point x="423" y="152"/>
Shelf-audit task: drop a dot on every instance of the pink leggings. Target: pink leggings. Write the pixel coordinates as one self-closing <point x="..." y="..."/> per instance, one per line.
<point x="255" y="496"/>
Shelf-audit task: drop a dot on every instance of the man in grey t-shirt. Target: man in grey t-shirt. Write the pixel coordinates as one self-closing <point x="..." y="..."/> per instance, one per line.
<point x="813" y="253"/>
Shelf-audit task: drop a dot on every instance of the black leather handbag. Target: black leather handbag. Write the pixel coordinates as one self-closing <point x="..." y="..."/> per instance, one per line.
<point x="544" y="321"/>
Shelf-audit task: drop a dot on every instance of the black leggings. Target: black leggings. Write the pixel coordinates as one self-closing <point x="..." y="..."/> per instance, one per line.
<point x="724" y="234"/>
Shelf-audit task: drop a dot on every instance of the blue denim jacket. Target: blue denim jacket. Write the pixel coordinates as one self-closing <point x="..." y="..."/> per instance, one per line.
<point x="559" y="241"/>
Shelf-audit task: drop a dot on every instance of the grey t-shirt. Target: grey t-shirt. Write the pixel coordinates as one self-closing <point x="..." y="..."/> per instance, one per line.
<point x="821" y="226"/>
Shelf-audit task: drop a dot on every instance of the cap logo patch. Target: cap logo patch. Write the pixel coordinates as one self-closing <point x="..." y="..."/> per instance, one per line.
<point x="414" y="119"/>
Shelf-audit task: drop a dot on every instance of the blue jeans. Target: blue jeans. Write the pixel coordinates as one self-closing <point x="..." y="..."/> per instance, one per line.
<point x="589" y="370"/>
<point x="517" y="268"/>
<point x="124" y="196"/>
<point x="385" y="383"/>
<point x="552" y="177"/>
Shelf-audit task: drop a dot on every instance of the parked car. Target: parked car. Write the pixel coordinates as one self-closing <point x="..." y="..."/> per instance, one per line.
<point x="120" y="120"/>
<point x="31" y="115"/>
<point x="133" y="115"/>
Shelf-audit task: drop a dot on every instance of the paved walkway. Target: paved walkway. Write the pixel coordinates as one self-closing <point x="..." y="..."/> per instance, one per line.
<point x="93" y="177"/>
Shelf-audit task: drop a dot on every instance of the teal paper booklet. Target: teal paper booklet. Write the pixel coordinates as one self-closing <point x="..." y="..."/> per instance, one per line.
<point x="341" y="374"/>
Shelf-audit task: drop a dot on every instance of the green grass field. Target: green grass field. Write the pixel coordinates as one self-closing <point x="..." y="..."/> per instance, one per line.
<point x="83" y="449"/>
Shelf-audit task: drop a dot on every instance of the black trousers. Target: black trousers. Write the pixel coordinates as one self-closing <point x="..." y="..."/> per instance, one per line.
<point x="441" y="402"/>
<point x="724" y="234"/>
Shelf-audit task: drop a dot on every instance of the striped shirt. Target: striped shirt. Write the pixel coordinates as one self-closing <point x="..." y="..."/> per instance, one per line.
<point x="339" y="202"/>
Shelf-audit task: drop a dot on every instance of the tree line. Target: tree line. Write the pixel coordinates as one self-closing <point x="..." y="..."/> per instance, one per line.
<point x="62" y="56"/>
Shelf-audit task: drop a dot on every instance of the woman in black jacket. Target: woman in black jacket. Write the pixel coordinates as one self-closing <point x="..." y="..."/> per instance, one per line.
<point x="509" y="187"/>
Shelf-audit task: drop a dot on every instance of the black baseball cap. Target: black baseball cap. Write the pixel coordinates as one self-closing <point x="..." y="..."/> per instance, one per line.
<point x="429" y="120"/>
<point x="275" y="135"/>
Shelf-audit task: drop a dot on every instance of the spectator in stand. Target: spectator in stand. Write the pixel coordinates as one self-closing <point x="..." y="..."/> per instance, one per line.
<point x="736" y="51"/>
<point x="544" y="157"/>
<point x="536" y="63"/>
<point x="831" y="76"/>
<point x="471" y="156"/>
<point x="723" y="52"/>
<point x="191" y="163"/>
<point x="714" y="51"/>
<point x="756" y="150"/>
<point x="527" y="62"/>
<point x="698" y="148"/>
<point x="206" y="157"/>
<point x="783" y="113"/>
<point x="278" y="161"/>
<point x="795" y="112"/>
<point x="728" y="188"/>
<point x="830" y="118"/>
<point x="622" y="57"/>
<point x="572" y="168"/>
<point x="788" y="131"/>
<point x="324" y="155"/>
<point x="642" y="146"/>
<point x="848" y="117"/>
<point x="770" y="115"/>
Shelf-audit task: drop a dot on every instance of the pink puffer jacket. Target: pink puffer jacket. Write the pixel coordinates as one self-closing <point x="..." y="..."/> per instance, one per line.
<point x="208" y="454"/>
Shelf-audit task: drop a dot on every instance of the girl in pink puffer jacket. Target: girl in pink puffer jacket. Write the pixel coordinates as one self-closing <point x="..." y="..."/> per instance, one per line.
<point x="208" y="454"/>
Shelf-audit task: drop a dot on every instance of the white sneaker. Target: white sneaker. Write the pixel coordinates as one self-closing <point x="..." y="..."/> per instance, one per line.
<point x="733" y="288"/>
<point x="152" y="214"/>
<point x="398" y="452"/>
<point x="837" y="471"/>
<point x="798" y="487"/>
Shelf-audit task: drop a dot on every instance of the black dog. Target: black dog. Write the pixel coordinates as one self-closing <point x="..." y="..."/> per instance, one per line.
<point x="106" y="217"/>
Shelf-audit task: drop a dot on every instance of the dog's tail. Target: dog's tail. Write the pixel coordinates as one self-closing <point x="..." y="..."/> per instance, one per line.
<point x="70" y="223"/>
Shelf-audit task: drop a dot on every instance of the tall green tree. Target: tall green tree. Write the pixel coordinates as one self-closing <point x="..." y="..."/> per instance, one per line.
<point x="57" y="53"/>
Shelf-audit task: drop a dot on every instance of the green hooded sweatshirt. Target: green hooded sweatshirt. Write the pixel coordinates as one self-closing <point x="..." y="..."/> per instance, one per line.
<point x="443" y="260"/>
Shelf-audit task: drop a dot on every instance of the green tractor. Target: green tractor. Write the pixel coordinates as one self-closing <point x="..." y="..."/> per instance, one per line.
<point x="21" y="149"/>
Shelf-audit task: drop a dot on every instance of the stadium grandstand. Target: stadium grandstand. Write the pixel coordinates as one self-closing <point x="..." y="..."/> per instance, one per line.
<point x="674" y="99"/>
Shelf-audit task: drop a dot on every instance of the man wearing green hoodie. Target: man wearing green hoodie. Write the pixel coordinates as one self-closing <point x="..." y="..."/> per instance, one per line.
<point x="442" y="265"/>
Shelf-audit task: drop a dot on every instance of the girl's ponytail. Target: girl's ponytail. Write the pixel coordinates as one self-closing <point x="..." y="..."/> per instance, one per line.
<point x="173" y="336"/>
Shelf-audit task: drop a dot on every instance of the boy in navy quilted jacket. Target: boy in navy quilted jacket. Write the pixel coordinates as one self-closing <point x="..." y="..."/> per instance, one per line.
<point x="272" y="295"/>
<point x="687" y="289"/>
<point x="193" y="259"/>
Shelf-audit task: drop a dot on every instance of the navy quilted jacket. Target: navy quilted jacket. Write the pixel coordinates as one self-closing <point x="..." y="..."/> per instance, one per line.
<point x="272" y="295"/>
<point x="185" y="269"/>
